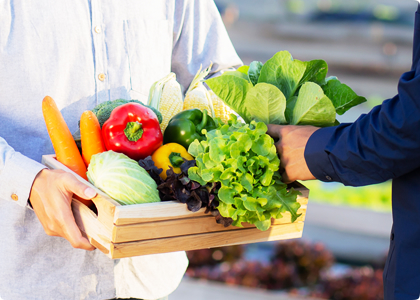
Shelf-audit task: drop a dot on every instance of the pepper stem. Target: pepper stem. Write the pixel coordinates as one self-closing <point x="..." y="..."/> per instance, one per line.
<point x="203" y="121"/>
<point x="175" y="159"/>
<point x="133" y="131"/>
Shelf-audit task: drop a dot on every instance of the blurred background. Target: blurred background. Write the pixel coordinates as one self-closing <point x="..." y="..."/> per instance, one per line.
<point x="367" y="45"/>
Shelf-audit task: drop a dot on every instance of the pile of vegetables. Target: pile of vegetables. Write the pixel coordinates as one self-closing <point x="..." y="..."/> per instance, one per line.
<point x="210" y="158"/>
<point x="108" y="158"/>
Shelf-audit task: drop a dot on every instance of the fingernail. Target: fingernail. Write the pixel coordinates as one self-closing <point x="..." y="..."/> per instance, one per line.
<point x="90" y="193"/>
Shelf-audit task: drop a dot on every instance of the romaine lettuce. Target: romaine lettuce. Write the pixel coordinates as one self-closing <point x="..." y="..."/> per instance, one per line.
<point x="285" y="90"/>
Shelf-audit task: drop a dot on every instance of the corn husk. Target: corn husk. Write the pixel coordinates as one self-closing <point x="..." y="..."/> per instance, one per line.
<point x="198" y="96"/>
<point x="165" y="95"/>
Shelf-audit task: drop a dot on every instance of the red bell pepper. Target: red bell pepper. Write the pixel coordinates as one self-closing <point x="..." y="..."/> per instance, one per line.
<point x="132" y="129"/>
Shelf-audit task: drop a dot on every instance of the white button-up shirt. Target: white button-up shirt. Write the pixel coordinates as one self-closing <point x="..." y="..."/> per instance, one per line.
<point x="82" y="53"/>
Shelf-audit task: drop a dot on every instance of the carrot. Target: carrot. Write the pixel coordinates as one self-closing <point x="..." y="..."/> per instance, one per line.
<point x="64" y="145"/>
<point x="91" y="134"/>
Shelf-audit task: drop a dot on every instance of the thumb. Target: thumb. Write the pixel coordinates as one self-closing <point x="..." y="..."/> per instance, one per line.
<point x="78" y="188"/>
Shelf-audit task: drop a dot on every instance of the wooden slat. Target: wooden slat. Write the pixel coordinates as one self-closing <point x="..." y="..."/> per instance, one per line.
<point x="207" y="240"/>
<point x="88" y="223"/>
<point x="160" y="211"/>
<point x="182" y="227"/>
<point x="150" y="212"/>
<point x="303" y="200"/>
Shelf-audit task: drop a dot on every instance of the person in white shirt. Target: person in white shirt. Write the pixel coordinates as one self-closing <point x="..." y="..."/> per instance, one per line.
<point x="82" y="53"/>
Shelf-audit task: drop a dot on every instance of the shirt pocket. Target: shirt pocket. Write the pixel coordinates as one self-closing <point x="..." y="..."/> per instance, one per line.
<point x="149" y="49"/>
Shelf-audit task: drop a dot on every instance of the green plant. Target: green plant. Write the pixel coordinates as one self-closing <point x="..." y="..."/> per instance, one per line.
<point x="285" y="91"/>
<point x="243" y="158"/>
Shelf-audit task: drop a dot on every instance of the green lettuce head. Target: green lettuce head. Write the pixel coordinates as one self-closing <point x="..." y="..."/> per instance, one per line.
<point x="122" y="178"/>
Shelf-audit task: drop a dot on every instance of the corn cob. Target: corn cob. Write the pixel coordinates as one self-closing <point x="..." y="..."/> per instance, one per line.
<point x="221" y="110"/>
<point x="165" y="95"/>
<point x="197" y="95"/>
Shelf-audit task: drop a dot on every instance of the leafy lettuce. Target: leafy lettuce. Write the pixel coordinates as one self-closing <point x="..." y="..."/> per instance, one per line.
<point x="285" y="91"/>
<point x="243" y="159"/>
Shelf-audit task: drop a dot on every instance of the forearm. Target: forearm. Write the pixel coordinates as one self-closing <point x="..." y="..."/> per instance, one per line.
<point x="17" y="173"/>
<point x="381" y="145"/>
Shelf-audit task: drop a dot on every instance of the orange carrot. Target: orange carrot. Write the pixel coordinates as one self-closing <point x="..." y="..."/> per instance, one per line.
<point x="91" y="134"/>
<point x="64" y="145"/>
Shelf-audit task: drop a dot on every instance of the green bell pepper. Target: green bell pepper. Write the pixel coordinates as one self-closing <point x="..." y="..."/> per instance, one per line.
<point x="186" y="126"/>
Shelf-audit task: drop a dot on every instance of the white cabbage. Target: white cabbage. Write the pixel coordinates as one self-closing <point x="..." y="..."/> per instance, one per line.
<point x="122" y="178"/>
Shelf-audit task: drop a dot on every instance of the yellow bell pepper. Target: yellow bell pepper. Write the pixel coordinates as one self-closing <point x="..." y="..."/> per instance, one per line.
<point x="170" y="155"/>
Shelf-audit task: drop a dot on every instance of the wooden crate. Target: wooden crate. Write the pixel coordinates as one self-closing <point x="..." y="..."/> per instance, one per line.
<point x="131" y="230"/>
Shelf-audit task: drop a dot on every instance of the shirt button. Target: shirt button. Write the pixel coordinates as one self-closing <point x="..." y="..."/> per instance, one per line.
<point x="101" y="77"/>
<point x="15" y="197"/>
<point x="98" y="29"/>
<point x="328" y="178"/>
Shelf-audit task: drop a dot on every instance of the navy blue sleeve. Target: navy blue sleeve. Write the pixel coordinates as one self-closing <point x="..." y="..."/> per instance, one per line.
<point x="381" y="145"/>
